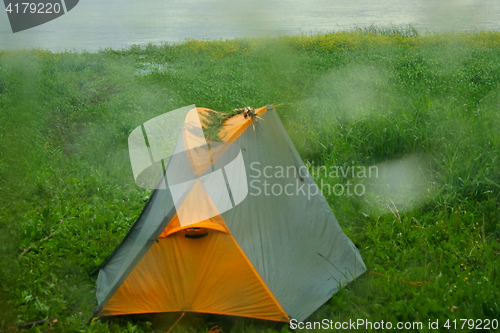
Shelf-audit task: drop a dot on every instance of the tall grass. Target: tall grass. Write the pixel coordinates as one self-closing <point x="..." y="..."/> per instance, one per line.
<point x="417" y="106"/>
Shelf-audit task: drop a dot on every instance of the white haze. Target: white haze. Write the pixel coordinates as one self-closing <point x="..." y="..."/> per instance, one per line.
<point x="95" y="24"/>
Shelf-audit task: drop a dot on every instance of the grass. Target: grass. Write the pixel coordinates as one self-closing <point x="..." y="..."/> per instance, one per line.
<point x="422" y="108"/>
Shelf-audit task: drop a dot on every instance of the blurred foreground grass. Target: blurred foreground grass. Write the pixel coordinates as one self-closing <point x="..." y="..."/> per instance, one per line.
<point x="422" y="109"/>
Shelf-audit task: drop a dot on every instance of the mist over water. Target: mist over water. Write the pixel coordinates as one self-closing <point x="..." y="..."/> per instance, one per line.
<point x="97" y="24"/>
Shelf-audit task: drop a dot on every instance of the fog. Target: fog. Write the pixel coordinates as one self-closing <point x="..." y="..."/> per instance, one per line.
<point x="94" y="24"/>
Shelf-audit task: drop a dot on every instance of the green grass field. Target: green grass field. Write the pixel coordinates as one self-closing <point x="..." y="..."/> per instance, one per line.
<point x="424" y="109"/>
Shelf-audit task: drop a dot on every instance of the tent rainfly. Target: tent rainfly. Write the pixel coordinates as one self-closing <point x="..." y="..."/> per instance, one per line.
<point x="277" y="254"/>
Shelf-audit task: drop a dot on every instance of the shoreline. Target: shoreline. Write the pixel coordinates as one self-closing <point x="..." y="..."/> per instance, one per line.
<point x="407" y="31"/>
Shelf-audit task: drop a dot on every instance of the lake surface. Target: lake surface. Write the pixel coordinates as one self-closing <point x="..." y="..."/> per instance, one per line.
<point x="95" y="24"/>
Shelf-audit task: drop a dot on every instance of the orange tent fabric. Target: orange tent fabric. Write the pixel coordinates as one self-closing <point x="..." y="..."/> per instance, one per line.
<point x="201" y="275"/>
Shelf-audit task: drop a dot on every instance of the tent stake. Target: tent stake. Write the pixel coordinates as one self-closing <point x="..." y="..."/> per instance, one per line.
<point x="171" y="328"/>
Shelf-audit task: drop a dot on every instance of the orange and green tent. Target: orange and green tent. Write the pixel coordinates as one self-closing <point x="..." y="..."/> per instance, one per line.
<point x="273" y="257"/>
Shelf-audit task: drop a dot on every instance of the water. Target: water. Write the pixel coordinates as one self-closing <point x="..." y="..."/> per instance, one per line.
<point x="95" y="24"/>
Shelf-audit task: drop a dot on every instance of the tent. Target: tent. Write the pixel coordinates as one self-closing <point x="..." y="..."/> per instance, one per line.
<point x="277" y="254"/>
